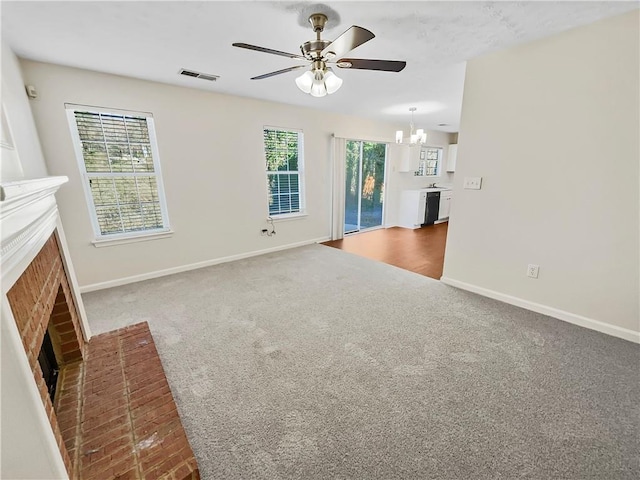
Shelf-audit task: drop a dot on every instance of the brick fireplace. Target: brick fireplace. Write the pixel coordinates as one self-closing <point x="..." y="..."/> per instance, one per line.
<point x="39" y="295"/>
<point x="113" y="415"/>
<point x="41" y="301"/>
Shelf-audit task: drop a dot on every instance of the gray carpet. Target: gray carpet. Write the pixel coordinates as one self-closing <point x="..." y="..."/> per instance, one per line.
<point x="317" y="364"/>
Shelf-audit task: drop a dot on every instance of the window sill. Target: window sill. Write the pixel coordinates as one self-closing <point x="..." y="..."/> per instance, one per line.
<point x="144" y="237"/>
<point x="288" y="216"/>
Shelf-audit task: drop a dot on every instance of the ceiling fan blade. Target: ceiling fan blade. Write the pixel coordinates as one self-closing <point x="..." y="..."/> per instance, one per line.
<point x="352" y="38"/>
<point x="278" y="72"/>
<point x="268" y="50"/>
<point x="368" y="64"/>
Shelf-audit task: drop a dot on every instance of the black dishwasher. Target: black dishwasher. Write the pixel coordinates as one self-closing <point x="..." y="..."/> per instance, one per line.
<point x="431" y="210"/>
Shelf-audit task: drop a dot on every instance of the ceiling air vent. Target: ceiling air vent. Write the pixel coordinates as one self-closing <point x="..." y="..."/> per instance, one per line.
<point x="203" y="76"/>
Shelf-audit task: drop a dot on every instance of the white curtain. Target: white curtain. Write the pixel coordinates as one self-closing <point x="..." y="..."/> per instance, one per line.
<point x="338" y="164"/>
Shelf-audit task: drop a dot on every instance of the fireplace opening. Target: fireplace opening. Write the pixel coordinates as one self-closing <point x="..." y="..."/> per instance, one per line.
<point x="49" y="365"/>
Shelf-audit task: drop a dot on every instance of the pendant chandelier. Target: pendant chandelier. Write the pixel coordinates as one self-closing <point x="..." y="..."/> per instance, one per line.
<point x="415" y="138"/>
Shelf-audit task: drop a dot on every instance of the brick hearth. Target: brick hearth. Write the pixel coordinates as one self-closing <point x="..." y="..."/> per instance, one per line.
<point x="129" y="426"/>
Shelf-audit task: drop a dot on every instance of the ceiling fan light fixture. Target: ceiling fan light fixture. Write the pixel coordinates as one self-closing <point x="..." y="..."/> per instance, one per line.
<point x="320" y="80"/>
<point x="305" y="81"/>
<point x="318" y="89"/>
<point x="332" y="81"/>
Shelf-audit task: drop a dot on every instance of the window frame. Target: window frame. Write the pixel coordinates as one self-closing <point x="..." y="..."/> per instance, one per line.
<point x="101" y="239"/>
<point x="423" y="161"/>
<point x="302" y="211"/>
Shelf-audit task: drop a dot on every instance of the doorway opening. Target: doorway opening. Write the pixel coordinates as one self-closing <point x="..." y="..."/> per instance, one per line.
<point x="365" y="167"/>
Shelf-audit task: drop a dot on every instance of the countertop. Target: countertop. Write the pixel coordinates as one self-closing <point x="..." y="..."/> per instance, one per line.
<point x="435" y="189"/>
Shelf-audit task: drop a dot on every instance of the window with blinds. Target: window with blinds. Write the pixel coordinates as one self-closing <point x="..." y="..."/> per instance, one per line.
<point x="118" y="159"/>
<point x="284" y="161"/>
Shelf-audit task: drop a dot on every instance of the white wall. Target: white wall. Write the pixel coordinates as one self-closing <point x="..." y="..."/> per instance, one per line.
<point x="212" y="161"/>
<point x="553" y="129"/>
<point x="26" y="161"/>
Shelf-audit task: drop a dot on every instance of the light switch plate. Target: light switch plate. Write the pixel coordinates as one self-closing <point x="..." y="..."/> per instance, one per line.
<point x="472" y="183"/>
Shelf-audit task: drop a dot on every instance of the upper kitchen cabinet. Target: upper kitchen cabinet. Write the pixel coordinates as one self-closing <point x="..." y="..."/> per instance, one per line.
<point x="421" y="160"/>
<point x="452" y="157"/>
<point x="409" y="158"/>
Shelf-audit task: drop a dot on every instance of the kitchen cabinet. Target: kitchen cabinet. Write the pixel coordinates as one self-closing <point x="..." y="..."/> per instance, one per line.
<point x="409" y="159"/>
<point x="445" y="205"/>
<point x="412" y="208"/>
<point x="452" y="157"/>
<point x="395" y="154"/>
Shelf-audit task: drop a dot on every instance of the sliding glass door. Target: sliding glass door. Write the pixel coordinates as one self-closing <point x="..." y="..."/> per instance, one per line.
<point x="364" y="185"/>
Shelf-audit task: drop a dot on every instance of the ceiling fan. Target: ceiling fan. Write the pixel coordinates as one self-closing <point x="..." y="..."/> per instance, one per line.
<point x="320" y="79"/>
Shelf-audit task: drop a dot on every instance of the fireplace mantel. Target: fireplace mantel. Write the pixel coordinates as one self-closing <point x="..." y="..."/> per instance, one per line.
<point x="22" y="190"/>
<point x="28" y="216"/>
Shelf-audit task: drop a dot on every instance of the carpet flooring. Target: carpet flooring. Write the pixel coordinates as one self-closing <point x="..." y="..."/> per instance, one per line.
<point x="314" y="363"/>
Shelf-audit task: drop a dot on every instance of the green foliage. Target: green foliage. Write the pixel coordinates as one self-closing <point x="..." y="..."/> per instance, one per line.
<point x="369" y="188"/>
<point x="281" y="154"/>
<point x="281" y="150"/>
<point x="373" y="162"/>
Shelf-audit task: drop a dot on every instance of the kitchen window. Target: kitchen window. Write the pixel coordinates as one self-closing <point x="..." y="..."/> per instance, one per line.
<point x="284" y="168"/>
<point x="430" y="162"/>
<point x="118" y="158"/>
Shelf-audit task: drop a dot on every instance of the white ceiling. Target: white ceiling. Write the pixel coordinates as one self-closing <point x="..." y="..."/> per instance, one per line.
<point x="153" y="40"/>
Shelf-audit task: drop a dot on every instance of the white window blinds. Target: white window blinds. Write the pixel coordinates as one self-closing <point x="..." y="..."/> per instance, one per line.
<point x="284" y="162"/>
<point x="118" y="158"/>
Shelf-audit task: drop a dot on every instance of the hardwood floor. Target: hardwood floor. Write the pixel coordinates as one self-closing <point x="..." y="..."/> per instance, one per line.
<point x="420" y="251"/>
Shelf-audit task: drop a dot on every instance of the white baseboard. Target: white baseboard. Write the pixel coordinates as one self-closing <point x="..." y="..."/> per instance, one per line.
<point x="590" y="323"/>
<point x="193" y="266"/>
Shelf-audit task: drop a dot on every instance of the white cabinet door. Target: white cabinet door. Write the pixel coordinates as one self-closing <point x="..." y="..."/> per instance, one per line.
<point x="452" y="156"/>
<point x="422" y="207"/>
<point x="445" y="205"/>
<point x="412" y="206"/>
<point x="410" y="160"/>
<point x="395" y="156"/>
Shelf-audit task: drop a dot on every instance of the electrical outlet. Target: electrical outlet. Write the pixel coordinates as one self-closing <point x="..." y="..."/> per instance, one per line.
<point x="532" y="270"/>
<point x="472" y="183"/>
